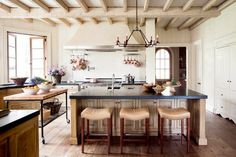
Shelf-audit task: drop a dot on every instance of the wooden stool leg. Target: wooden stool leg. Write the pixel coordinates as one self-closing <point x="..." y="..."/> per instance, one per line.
<point x="162" y="126"/>
<point x="111" y="126"/>
<point x="182" y="130"/>
<point x="108" y="134"/>
<point x="188" y="134"/>
<point x="121" y="134"/>
<point x="82" y="134"/>
<point x="147" y="133"/>
<point x="87" y="128"/>
<point x="159" y="128"/>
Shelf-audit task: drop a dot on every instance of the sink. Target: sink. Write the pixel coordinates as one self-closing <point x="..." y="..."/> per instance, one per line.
<point x="114" y="87"/>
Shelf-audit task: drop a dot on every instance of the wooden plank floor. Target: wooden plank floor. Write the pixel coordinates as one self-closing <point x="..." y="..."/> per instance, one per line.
<point x="221" y="136"/>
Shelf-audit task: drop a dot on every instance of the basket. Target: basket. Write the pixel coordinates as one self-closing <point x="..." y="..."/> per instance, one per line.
<point x="54" y="106"/>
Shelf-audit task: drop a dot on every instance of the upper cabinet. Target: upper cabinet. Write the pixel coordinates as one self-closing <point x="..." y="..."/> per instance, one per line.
<point x="225" y="81"/>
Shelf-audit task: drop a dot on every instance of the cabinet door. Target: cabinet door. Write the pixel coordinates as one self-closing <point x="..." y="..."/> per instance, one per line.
<point x="233" y="68"/>
<point x="222" y="102"/>
<point x="4" y="147"/>
<point x="222" y="67"/>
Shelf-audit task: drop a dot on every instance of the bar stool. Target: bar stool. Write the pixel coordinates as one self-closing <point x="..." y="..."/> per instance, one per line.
<point x="133" y="114"/>
<point x="96" y="114"/>
<point x="173" y="114"/>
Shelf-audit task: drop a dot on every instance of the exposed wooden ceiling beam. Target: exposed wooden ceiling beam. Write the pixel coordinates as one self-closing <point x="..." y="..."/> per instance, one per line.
<point x="94" y="20"/>
<point x="104" y="5"/>
<point x="146" y="5"/>
<point x="79" y="20"/>
<point x="110" y="20"/>
<point x="167" y="5"/>
<point x="208" y="5"/>
<point x="83" y="5"/>
<point x="113" y="12"/>
<point x="63" y="5"/>
<point x="126" y="21"/>
<point x="42" y="5"/>
<point x="188" y="5"/>
<point x="65" y="21"/>
<point x="49" y="21"/>
<point x="142" y="22"/>
<point x="158" y="20"/>
<point x="21" y="5"/>
<point x="197" y="23"/>
<point x="226" y="4"/>
<point x="125" y="5"/>
<point x="172" y="21"/>
<point x="29" y="20"/>
<point x="186" y="23"/>
<point x="5" y="7"/>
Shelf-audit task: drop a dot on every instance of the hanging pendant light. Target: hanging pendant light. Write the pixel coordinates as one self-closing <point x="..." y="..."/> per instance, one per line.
<point x="147" y="43"/>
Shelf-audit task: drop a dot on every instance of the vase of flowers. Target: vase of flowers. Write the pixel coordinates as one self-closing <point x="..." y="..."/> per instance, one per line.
<point x="57" y="73"/>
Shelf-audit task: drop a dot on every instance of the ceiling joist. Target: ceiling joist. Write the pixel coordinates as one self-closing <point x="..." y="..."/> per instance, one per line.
<point x="104" y="5"/>
<point x="113" y="12"/>
<point x="209" y="4"/>
<point x="49" y="21"/>
<point x="146" y="5"/>
<point x="172" y="21"/>
<point x="63" y="5"/>
<point x="21" y="5"/>
<point x="5" y="7"/>
<point x="42" y="5"/>
<point x="125" y="5"/>
<point x="142" y="22"/>
<point x="110" y="20"/>
<point x="186" y="23"/>
<point x="197" y="23"/>
<point x="94" y="20"/>
<point x="226" y="4"/>
<point x="167" y="5"/>
<point x="65" y="21"/>
<point x="83" y="5"/>
<point x="188" y="5"/>
<point x="79" y="20"/>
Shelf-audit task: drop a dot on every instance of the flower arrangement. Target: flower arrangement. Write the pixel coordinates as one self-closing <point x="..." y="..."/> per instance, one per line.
<point x="57" y="71"/>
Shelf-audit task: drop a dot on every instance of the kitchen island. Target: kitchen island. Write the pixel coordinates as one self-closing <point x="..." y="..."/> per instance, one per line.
<point x="135" y="97"/>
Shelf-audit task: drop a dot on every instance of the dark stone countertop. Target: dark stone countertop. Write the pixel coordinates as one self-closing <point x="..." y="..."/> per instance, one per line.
<point x="12" y="85"/>
<point x="136" y="92"/>
<point x="16" y="117"/>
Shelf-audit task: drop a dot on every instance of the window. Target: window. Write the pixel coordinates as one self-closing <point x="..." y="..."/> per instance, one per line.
<point x="163" y="64"/>
<point x="26" y="55"/>
<point x="12" y="55"/>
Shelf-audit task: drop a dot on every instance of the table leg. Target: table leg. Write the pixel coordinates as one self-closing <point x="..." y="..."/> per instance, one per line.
<point x="67" y="119"/>
<point x="41" y="110"/>
<point x="7" y="104"/>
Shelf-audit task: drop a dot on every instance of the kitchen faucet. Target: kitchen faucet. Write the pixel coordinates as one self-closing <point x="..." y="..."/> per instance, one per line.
<point x="112" y="81"/>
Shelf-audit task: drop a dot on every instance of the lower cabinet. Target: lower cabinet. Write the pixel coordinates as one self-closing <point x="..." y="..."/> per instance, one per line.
<point x="21" y="141"/>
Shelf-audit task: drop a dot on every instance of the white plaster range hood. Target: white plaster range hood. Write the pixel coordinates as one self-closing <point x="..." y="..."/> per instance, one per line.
<point x="101" y="39"/>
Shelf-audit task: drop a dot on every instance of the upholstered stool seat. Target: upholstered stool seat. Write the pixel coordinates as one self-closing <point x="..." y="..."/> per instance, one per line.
<point x="96" y="114"/>
<point x="134" y="115"/>
<point x="173" y="114"/>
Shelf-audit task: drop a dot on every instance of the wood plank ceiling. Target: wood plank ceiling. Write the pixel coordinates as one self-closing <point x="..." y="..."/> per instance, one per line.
<point x="180" y="14"/>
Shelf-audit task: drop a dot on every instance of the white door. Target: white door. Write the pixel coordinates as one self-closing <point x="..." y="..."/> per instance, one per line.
<point x="198" y="62"/>
<point x="222" y="67"/>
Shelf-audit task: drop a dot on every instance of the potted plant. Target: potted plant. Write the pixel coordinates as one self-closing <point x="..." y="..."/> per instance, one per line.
<point x="56" y="73"/>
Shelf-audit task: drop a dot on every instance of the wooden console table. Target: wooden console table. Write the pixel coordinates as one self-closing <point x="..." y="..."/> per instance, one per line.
<point x="40" y="98"/>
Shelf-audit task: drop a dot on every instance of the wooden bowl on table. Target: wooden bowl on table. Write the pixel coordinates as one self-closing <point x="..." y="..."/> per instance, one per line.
<point x="148" y="87"/>
<point x="19" y="81"/>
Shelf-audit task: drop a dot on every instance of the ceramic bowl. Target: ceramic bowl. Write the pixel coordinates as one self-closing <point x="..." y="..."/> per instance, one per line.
<point x="45" y="87"/>
<point x="29" y="91"/>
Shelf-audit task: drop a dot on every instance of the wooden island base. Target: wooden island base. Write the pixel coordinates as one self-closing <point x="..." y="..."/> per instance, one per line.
<point x="194" y="103"/>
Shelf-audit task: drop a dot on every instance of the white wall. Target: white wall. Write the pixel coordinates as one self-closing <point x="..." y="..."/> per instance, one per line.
<point x="36" y="28"/>
<point x="208" y="33"/>
<point x="107" y="63"/>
